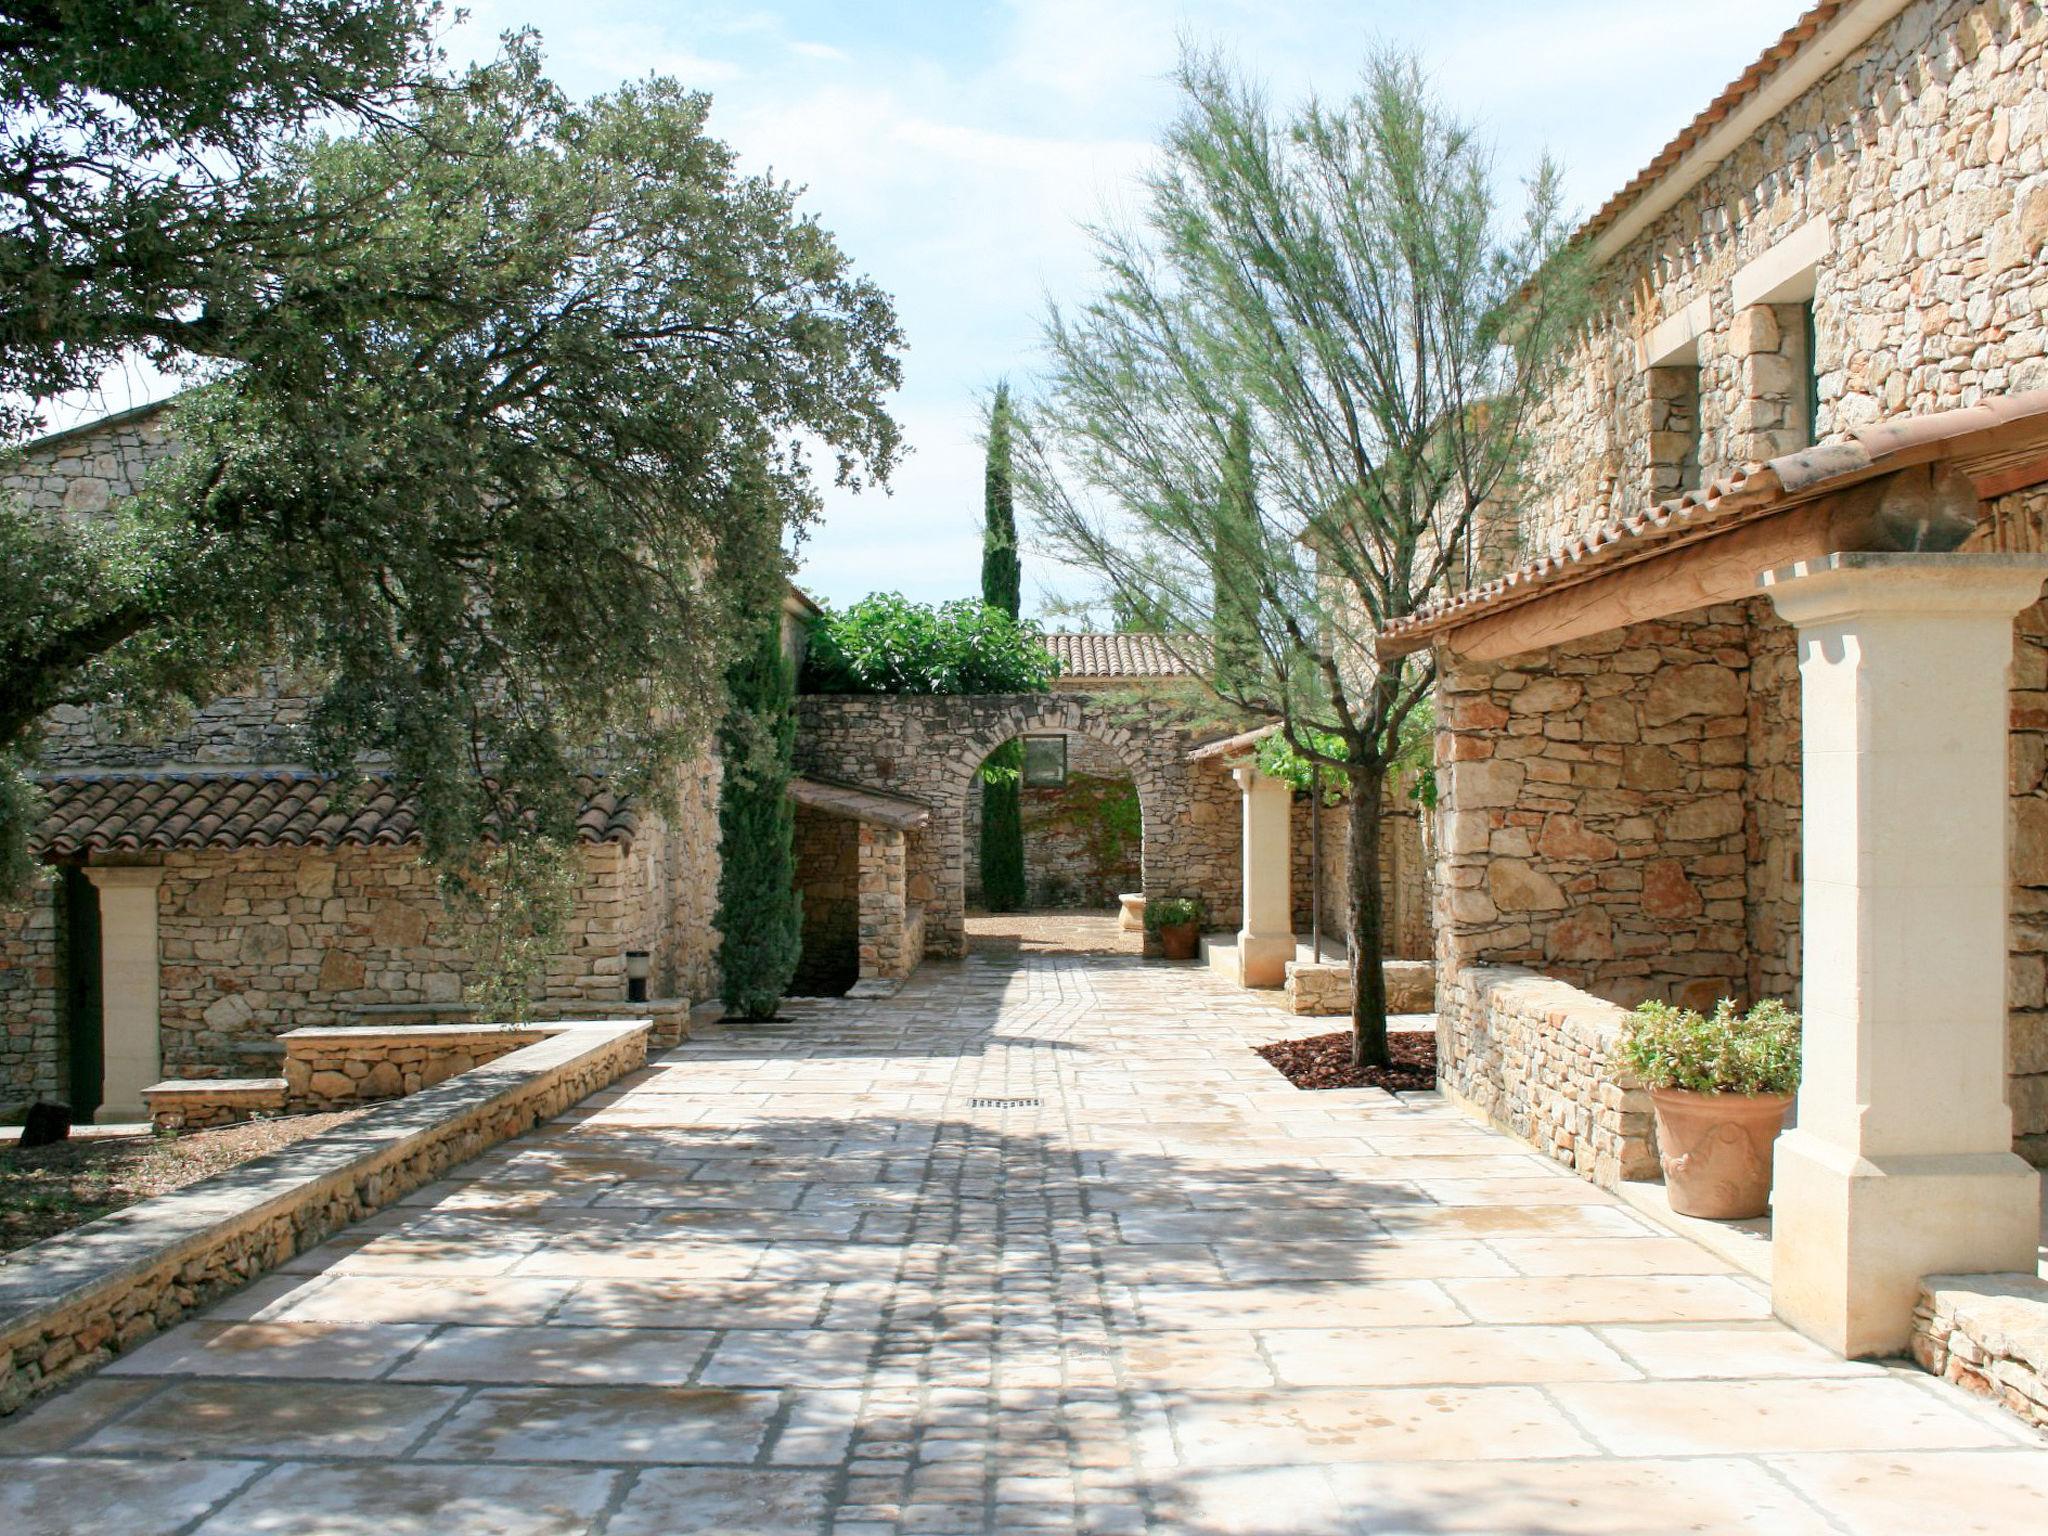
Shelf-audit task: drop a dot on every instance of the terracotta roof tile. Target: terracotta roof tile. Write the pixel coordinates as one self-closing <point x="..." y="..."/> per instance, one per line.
<point x="2002" y="431"/>
<point x="1748" y="83"/>
<point x="143" y="811"/>
<point x="1119" y="655"/>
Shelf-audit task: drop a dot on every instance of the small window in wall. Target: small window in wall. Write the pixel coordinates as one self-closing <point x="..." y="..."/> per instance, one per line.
<point x="1809" y="372"/>
<point x="1045" y="762"/>
<point x="1674" y="428"/>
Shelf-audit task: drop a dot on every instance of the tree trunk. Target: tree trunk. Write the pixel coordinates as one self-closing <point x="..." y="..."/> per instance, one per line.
<point x="1368" y="936"/>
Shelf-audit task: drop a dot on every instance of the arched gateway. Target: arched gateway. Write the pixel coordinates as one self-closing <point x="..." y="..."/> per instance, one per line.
<point x="926" y="749"/>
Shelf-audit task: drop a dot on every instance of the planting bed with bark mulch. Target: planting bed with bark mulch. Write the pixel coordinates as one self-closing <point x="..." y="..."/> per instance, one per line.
<point x="52" y="1189"/>
<point x="1324" y="1061"/>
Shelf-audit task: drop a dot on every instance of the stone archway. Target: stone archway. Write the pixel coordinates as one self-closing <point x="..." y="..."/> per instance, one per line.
<point x="928" y="748"/>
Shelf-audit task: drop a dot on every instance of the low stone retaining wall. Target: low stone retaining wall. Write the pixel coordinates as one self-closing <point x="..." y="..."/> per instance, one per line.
<point x="337" y="1068"/>
<point x="1988" y="1333"/>
<point x="69" y="1304"/>
<point x="1322" y="989"/>
<point x="1537" y="1057"/>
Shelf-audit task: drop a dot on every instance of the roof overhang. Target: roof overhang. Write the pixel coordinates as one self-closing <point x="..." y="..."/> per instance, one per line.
<point x="1814" y="46"/>
<point x="1915" y="483"/>
<point x="869" y="805"/>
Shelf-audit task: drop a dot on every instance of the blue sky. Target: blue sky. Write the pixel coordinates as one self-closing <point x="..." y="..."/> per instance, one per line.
<point x="955" y="148"/>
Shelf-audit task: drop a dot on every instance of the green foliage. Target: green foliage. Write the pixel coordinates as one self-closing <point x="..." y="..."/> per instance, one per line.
<point x="760" y="915"/>
<point x="1106" y="814"/>
<point x="1234" y="566"/>
<point x="1277" y="759"/>
<point x="482" y="449"/>
<point x="1003" y="886"/>
<point x="887" y="644"/>
<point x="513" y="902"/>
<point x="1729" y="1052"/>
<point x="1175" y="912"/>
<point x="135" y="215"/>
<point x="1002" y="575"/>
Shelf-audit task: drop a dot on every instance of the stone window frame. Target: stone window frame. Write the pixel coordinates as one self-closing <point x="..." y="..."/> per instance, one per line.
<point x="1673" y="428"/>
<point x="1774" y="301"/>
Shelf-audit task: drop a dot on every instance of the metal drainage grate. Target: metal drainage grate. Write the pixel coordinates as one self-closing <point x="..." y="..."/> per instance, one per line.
<point x="1002" y="1103"/>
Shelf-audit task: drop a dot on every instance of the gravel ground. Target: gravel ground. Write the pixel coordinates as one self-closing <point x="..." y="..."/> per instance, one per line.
<point x="1051" y="933"/>
<point x="53" y="1189"/>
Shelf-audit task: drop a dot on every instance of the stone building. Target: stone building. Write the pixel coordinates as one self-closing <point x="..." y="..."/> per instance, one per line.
<point x="203" y="894"/>
<point x="1757" y="709"/>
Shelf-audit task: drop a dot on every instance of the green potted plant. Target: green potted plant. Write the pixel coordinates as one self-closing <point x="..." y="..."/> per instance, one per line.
<point x="1177" y="922"/>
<point x="1720" y="1086"/>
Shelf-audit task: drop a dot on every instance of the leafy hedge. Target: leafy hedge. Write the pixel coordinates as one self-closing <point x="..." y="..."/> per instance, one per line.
<point x="888" y="644"/>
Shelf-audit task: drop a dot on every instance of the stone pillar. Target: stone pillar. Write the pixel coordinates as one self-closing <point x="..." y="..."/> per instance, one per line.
<point x="883" y="898"/>
<point x="1265" y="944"/>
<point x="1902" y="1162"/>
<point x="131" y="1053"/>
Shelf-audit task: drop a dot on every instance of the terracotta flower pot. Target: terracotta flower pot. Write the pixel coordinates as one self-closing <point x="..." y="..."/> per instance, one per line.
<point x="1179" y="941"/>
<point x="1716" y="1150"/>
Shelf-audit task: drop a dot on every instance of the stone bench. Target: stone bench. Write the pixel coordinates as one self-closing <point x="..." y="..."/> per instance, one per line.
<point x="339" y="1067"/>
<point x="1322" y="988"/>
<point x="196" y="1103"/>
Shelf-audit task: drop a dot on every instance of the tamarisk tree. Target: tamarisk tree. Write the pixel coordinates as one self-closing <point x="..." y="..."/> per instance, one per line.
<point x="1002" y="586"/>
<point x="1309" y="365"/>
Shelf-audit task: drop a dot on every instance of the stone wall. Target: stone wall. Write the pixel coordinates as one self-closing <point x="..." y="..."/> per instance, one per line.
<point x="1988" y="1334"/>
<point x="1599" y="817"/>
<point x="256" y="942"/>
<point x="1063" y="864"/>
<point x="928" y="749"/>
<point x="32" y="1064"/>
<point x="828" y="876"/>
<point x="71" y="1303"/>
<point x="83" y="473"/>
<point x="1925" y="154"/>
<point x="329" y="1069"/>
<point x="1538" y="1057"/>
<point x="2019" y="522"/>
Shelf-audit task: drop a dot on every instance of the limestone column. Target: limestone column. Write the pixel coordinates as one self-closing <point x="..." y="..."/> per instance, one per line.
<point x="1266" y="941"/>
<point x="130" y="1052"/>
<point x="1902" y="1162"/>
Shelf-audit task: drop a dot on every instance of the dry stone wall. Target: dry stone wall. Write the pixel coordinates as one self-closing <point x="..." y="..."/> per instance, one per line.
<point x="1540" y="1058"/>
<point x="83" y="473"/>
<point x="71" y="1303"/>
<point x="1925" y="154"/>
<point x="1596" y="818"/>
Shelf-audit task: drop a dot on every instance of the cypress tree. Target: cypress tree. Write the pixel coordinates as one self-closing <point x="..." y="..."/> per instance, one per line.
<point x="759" y="912"/>
<point x="1002" y="582"/>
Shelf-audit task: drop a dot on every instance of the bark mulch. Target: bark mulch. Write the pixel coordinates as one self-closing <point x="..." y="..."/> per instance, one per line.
<point x="55" y="1188"/>
<point x="1324" y="1061"/>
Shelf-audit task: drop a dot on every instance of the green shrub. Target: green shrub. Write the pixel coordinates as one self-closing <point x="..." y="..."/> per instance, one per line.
<point x="1174" y="912"/>
<point x="887" y="644"/>
<point x="1729" y="1052"/>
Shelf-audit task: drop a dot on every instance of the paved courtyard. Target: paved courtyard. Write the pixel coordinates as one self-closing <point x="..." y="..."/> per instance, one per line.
<point x="1038" y="1246"/>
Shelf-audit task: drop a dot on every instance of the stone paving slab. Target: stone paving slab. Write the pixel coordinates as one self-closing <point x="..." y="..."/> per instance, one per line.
<point x="812" y="1277"/>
